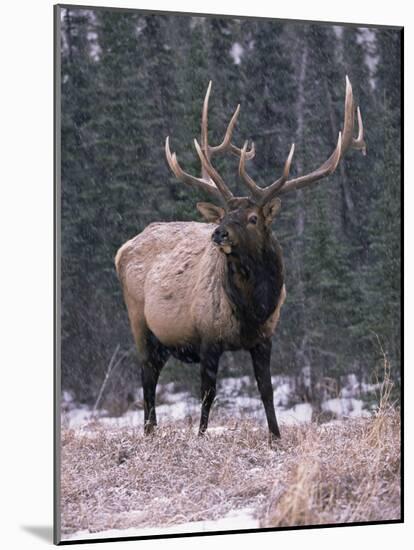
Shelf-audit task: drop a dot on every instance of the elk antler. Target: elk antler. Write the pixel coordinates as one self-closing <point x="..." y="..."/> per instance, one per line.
<point x="186" y="178"/>
<point x="345" y="141"/>
<point x="211" y="181"/>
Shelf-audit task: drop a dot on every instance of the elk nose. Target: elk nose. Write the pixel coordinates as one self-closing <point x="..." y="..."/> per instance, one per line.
<point x="219" y="235"/>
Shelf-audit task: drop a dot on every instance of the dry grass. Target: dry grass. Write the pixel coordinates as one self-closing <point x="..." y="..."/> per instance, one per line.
<point x="339" y="473"/>
<point x="344" y="471"/>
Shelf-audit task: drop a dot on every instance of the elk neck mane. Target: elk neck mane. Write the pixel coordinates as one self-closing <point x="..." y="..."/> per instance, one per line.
<point x="253" y="283"/>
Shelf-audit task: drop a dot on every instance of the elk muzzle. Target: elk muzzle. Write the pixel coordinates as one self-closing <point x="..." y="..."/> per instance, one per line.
<point x="221" y="238"/>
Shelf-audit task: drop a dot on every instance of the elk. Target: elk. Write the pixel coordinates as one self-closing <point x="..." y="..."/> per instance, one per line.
<point x="194" y="290"/>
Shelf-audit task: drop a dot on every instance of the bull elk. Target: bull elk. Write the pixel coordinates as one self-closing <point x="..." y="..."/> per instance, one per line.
<point x="194" y="290"/>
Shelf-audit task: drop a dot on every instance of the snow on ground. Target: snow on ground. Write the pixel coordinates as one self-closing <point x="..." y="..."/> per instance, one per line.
<point x="342" y="406"/>
<point x="237" y="396"/>
<point x="284" y="387"/>
<point x="351" y="386"/>
<point x="234" y="386"/>
<point x="237" y="520"/>
<point x="295" y="415"/>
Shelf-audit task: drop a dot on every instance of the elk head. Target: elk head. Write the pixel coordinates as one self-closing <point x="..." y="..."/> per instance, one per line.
<point x="245" y="221"/>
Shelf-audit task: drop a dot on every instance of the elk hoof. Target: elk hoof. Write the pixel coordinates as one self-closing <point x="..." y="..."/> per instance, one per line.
<point x="274" y="440"/>
<point x="123" y="456"/>
<point x="149" y="429"/>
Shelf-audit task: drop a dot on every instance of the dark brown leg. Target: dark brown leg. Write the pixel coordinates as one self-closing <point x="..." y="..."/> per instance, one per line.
<point x="209" y="365"/>
<point x="261" y="364"/>
<point x="155" y="358"/>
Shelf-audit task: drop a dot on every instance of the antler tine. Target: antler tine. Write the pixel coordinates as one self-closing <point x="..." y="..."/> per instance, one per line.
<point x="349" y="116"/>
<point x="249" y="154"/>
<point x="272" y="190"/>
<point x="359" y="142"/>
<point x="186" y="178"/>
<point x="204" y="121"/>
<point x="348" y="140"/>
<point x="255" y="190"/>
<point x="327" y="168"/>
<point x="226" y="143"/>
<point x="212" y="172"/>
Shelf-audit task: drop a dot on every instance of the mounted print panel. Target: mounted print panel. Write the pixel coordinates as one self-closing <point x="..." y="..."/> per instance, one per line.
<point x="228" y="274"/>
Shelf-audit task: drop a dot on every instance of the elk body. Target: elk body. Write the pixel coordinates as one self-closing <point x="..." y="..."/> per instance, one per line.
<point x="194" y="290"/>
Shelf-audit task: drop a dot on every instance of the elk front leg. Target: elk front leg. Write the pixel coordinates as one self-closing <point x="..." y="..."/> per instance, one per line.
<point x="261" y="364"/>
<point x="209" y="365"/>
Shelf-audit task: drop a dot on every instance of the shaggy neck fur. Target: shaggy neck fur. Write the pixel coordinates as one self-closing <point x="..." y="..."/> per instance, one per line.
<point x="253" y="284"/>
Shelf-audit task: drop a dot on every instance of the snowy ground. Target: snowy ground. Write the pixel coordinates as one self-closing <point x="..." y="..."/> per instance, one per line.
<point x="234" y="521"/>
<point x="236" y="396"/>
<point x="237" y="405"/>
<point x="115" y="482"/>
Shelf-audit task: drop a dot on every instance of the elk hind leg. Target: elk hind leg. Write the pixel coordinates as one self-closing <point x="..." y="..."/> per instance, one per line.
<point x="154" y="359"/>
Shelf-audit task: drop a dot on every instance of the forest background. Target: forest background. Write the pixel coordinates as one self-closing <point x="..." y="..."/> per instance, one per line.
<point x="130" y="79"/>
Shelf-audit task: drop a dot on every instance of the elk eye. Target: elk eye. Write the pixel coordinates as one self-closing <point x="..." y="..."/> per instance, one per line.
<point x="253" y="220"/>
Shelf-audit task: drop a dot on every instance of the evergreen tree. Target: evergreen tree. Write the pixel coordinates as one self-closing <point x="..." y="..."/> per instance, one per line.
<point x="77" y="73"/>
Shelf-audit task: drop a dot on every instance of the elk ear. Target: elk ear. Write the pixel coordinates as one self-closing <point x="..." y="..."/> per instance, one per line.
<point x="210" y="212"/>
<point x="271" y="209"/>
